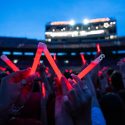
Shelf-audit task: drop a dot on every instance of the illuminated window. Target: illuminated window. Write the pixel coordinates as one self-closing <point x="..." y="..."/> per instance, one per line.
<point x="53" y="30"/>
<point x="88" y="28"/>
<point x="17" y="53"/>
<point x="97" y="27"/>
<point x="48" y="40"/>
<point x="64" y="29"/>
<point x="77" y="28"/>
<point x="73" y="54"/>
<point x="15" y="60"/>
<point x="112" y="37"/>
<point x="28" y="53"/>
<point x="61" y="54"/>
<point x="106" y="25"/>
<point x="6" y="53"/>
<point x="66" y="61"/>
<point x="113" y="22"/>
<point x="41" y="61"/>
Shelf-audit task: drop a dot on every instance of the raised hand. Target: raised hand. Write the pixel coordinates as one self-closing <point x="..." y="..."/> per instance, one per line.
<point x="74" y="105"/>
<point x="15" y="86"/>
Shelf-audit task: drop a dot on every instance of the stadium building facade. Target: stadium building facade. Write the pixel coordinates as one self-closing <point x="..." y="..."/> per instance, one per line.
<point x="89" y="29"/>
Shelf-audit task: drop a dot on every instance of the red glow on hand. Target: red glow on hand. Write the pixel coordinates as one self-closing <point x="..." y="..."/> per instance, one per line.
<point x="52" y="62"/>
<point x="43" y="90"/>
<point x="37" y="58"/>
<point x="98" y="48"/>
<point x="91" y="66"/>
<point x="69" y="87"/>
<point x="83" y="58"/>
<point x="9" y="63"/>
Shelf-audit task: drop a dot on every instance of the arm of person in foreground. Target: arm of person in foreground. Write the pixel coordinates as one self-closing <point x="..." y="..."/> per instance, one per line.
<point x="97" y="116"/>
<point x="76" y="102"/>
<point x="10" y="89"/>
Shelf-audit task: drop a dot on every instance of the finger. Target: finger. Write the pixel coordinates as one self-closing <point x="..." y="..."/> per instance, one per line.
<point x="71" y="81"/>
<point x="75" y="77"/>
<point x="19" y="75"/>
<point x="66" y="86"/>
<point x="28" y="81"/>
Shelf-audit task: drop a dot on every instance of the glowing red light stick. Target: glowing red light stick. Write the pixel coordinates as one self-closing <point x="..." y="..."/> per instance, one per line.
<point x="91" y="66"/>
<point x="83" y="58"/>
<point x="98" y="48"/>
<point x="37" y="58"/>
<point x="51" y="61"/>
<point x="9" y="63"/>
<point x="43" y="90"/>
<point x="2" y="68"/>
<point x="54" y="56"/>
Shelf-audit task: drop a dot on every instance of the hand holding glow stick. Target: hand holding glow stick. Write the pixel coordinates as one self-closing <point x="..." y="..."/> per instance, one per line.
<point x="9" y="63"/>
<point x="91" y="66"/>
<point x="51" y="61"/>
<point x="37" y="58"/>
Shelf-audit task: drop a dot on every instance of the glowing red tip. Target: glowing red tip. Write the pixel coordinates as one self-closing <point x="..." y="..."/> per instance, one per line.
<point x="9" y="63"/>
<point x="91" y="66"/>
<point x="37" y="58"/>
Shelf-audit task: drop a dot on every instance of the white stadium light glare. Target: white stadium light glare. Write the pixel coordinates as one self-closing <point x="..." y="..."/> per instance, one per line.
<point x="72" y="22"/>
<point x="85" y="21"/>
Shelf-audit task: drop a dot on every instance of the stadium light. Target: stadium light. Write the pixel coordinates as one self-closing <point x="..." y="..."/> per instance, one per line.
<point x="72" y="22"/>
<point x="85" y="21"/>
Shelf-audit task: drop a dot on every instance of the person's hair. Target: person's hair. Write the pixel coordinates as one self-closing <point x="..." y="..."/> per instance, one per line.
<point x="116" y="80"/>
<point x="113" y="109"/>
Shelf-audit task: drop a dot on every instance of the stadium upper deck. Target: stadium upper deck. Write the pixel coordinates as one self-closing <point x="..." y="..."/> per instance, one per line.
<point x="90" y="29"/>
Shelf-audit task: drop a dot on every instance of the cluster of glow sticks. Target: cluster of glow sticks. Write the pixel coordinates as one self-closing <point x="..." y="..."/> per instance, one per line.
<point x="43" y="48"/>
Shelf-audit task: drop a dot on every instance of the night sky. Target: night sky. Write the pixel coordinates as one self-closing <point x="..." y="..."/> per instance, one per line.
<point x="27" y="18"/>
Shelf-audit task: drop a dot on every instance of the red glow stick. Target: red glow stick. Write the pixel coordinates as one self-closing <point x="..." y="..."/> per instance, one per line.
<point x="37" y="58"/>
<point x="51" y="61"/>
<point x="54" y="56"/>
<point x="43" y="90"/>
<point x="9" y="63"/>
<point x="91" y="66"/>
<point x="2" y="68"/>
<point x="98" y="48"/>
<point x="83" y="58"/>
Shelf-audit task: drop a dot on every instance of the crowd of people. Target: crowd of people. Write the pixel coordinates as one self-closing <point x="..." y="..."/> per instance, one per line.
<point x="43" y="99"/>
